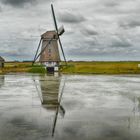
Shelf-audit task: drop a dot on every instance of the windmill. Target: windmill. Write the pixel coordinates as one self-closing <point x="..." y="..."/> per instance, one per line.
<point x="49" y="54"/>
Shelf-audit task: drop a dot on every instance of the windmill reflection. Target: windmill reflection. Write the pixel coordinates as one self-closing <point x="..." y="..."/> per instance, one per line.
<point x="134" y="118"/>
<point x="51" y="95"/>
<point x="2" y="78"/>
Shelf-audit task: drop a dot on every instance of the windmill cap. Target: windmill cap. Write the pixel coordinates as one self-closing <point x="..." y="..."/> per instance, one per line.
<point x="49" y="35"/>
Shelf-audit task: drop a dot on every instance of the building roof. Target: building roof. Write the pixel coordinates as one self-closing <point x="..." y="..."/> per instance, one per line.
<point x="49" y="35"/>
<point x="1" y="59"/>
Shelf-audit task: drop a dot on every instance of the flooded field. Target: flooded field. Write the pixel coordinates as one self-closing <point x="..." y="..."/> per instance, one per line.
<point x="71" y="107"/>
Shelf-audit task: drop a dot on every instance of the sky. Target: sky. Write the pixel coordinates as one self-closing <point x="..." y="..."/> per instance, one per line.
<point x="95" y="30"/>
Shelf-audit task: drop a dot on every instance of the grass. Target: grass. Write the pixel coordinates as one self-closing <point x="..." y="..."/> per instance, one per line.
<point x="37" y="70"/>
<point x="77" y="68"/>
<point x="23" y="67"/>
<point x="102" y="68"/>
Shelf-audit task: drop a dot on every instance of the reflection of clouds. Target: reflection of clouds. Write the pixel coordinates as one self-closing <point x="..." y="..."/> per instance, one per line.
<point x="20" y="128"/>
<point x="92" y="130"/>
<point x="106" y="105"/>
<point x="97" y="107"/>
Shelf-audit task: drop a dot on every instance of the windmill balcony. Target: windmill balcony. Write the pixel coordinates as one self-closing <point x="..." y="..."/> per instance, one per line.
<point x="51" y="66"/>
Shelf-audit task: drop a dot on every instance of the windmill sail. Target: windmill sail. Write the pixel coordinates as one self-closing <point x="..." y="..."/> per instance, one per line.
<point x="37" y="50"/>
<point x="56" y="27"/>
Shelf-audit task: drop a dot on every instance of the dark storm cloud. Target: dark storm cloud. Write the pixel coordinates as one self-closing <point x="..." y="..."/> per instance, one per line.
<point x="89" y="31"/>
<point x="96" y="47"/>
<point x="131" y="24"/>
<point x="120" y="43"/>
<point x="20" y="48"/>
<point x="17" y="3"/>
<point x="111" y="3"/>
<point x="70" y="17"/>
<point x="84" y="48"/>
<point x="84" y="51"/>
<point x="0" y="9"/>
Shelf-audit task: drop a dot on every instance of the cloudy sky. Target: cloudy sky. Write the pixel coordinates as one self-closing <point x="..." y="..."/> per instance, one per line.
<point x="95" y="29"/>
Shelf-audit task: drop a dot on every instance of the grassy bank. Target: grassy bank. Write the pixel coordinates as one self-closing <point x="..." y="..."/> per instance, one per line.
<point x="14" y="67"/>
<point x="77" y="68"/>
<point x="102" y="68"/>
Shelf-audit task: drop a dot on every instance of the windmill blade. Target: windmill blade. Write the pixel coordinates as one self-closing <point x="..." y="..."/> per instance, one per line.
<point x="54" y="18"/>
<point x="44" y="48"/>
<point x="39" y="94"/>
<point x="62" y="111"/>
<point x="37" y="50"/>
<point x="62" y="50"/>
<point x="58" y="107"/>
<point x="56" y="27"/>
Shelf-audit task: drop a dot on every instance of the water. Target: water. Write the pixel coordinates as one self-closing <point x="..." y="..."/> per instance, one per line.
<point x="72" y="107"/>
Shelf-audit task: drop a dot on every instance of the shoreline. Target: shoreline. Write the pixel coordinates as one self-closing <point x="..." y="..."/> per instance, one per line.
<point x="88" y="68"/>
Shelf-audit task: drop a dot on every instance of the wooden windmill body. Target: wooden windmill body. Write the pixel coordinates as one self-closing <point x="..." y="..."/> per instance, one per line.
<point x="50" y="56"/>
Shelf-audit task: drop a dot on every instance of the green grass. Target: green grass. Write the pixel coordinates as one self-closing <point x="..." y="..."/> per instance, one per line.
<point x="37" y="70"/>
<point x="77" y="68"/>
<point x="102" y="68"/>
<point x="23" y="67"/>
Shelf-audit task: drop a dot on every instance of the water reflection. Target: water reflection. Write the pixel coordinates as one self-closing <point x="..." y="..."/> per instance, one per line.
<point x="97" y="107"/>
<point x="1" y="80"/>
<point x="50" y="95"/>
<point x="134" y="118"/>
